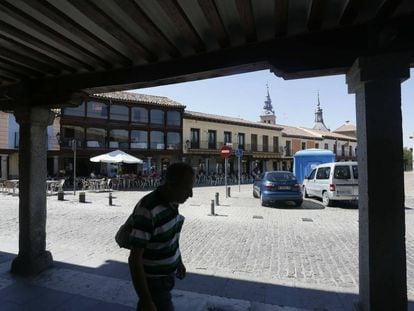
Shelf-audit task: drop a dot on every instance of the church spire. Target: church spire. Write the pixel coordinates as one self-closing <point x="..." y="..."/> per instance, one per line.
<point x="319" y="124"/>
<point x="268" y="114"/>
<point x="268" y="108"/>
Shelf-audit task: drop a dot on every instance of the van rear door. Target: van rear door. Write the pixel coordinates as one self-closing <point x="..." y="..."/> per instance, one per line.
<point x="355" y="174"/>
<point x="344" y="182"/>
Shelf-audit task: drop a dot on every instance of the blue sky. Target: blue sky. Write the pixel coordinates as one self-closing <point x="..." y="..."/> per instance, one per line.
<point x="294" y="101"/>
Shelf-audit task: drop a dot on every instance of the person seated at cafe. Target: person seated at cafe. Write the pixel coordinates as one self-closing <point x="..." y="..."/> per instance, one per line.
<point x="154" y="173"/>
<point x="92" y="175"/>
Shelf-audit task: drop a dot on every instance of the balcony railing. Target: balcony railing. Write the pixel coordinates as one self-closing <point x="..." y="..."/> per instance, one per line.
<point x="104" y="144"/>
<point x="206" y="145"/>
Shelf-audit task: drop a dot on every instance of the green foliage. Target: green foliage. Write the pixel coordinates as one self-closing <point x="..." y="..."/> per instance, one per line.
<point x="408" y="158"/>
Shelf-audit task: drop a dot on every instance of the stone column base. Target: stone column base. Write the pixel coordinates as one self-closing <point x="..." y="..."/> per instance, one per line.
<point x="25" y="265"/>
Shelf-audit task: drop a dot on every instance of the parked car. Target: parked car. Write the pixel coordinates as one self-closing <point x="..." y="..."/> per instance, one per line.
<point x="277" y="186"/>
<point x="336" y="181"/>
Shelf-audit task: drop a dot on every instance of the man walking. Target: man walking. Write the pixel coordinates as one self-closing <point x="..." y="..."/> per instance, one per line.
<point x="155" y="258"/>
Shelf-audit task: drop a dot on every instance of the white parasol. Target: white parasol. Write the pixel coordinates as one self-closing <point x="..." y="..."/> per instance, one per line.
<point x="116" y="156"/>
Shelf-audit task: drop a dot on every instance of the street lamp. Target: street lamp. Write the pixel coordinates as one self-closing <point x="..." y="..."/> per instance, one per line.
<point x="412" y="152"/>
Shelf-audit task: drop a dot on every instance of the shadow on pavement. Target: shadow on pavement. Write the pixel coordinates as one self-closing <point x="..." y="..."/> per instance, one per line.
<point x="307" y="204"/>
<point x="247" y="290"/>
<point x="242" y="289"/>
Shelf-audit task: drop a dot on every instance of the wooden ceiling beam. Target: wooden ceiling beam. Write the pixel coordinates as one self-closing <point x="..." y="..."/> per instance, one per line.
<point x="135" y="13"/>
<point x="213" y="18"/>
<point x="350" y="12"/>
<point x="16" y="18"/>
<point x="286" y="55"/>
<point x="316" y="14"/>
<point x="244" y="7"/>
<point x="177" y="15"/>
<point x="281" y="17"/>
<point x="29" y="52"/>
<point x="133" y="50"/>
<point x="19" y="69"/>
<point x="27" y="61"/>
<point x="87" y="44"/>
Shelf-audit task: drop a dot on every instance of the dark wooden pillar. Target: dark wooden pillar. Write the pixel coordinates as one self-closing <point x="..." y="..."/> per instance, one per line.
<point x="382" y="256"/>
<point x="32" y="257"/>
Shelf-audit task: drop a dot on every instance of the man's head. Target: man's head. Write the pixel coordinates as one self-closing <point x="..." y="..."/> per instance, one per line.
<point x="179" y="181"/>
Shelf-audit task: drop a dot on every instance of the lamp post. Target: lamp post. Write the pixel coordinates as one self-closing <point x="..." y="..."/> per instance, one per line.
<point x="412" y="152"/>
<point x="74" y="145"/>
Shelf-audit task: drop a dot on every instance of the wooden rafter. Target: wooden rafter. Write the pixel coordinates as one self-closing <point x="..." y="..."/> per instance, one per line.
<point x="213" y="17"/>
<point x="247" y="20"/>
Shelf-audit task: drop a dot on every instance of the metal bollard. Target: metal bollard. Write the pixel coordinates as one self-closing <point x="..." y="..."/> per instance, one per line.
<point x="212" y="208"/>
<point x="228" y="192"/>
<point x="217" y="199"/>
<point x="82" y="197"/>
<point x="110" y="198"/>
<point x="60" y="195"/>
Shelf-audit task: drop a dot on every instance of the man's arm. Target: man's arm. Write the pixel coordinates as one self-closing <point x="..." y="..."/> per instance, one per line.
<point x="139" y="280"/>
<point x="181" y="270"/>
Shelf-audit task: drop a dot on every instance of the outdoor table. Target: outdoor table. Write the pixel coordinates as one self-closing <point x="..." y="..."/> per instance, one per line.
<point x="11" y="184"/>
<point x="51" y="185"/>
<point x="94" y="183"/>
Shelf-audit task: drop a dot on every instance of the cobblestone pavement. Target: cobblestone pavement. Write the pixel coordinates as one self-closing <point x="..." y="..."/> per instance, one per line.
<point x="245" y="246"/>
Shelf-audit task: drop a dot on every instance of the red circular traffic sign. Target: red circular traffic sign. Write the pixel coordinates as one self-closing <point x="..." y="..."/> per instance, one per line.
<point x="225" y="151"/>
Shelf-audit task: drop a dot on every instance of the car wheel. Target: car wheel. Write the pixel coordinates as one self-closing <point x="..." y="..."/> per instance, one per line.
<point x="262" y="201"/>
<point x="305" y="192"/>
<point x="325" y="199"/>
<point x="298" y="202"/>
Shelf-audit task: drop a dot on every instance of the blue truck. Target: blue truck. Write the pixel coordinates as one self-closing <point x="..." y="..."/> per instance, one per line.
<point x="305" y="160"/>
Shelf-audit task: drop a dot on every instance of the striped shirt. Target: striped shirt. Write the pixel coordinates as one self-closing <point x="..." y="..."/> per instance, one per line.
<point x="157" y="227"/>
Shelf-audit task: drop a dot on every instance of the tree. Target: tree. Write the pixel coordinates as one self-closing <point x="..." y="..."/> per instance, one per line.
<point x="408" y="158"/>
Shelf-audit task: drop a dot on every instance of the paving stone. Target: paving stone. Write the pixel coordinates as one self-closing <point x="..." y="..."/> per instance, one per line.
<point x="228" y="255"/>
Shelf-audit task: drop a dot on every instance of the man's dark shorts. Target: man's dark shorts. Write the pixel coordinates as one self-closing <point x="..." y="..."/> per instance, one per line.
<point x="160" y="289"/>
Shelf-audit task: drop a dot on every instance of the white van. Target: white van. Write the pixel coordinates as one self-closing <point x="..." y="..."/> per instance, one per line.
<point x="336" y="181"/>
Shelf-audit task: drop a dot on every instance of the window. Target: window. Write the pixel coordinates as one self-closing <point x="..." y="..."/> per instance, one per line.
<point x="173" y="118"/>
<point x="118" y="139"/>
<point x="78" y="111"/>
<point x="350" y="151"/>
<point x="139" y="115"/>
<point x="312" y="174"/>
<point x="335" y="148"/>
<point x="326" y="146"/>
<point x="287" y="148"/>
<point x="342" y="172"/>
<point x="212" y="137"/>
<point x="254" y="142"/>
<point x="241" y="140"/>
<point x="157" y="116"/>
<point x="68" y="133"/>
<point x="280" y="176"/>
<point x="139" y="139"/>
<point x="119" y="112"/>
<point x="303" y="145"/>
<point x="16" y="139"/>
<point x="227" y="137"/>
<point x="157" y="140"/>
<point x="265" y="143"/>
<point x="343" y="150"/>
<point x="173" y="140"/>
<point x="317" y="145"/>
<point x="275" y="144"/>
<point x="355" y="171"/>
<point x="323" y="173"/>
<point x="195" y="138"/>
<point x="95" y="138"/>
<point x="97" y="110"/>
